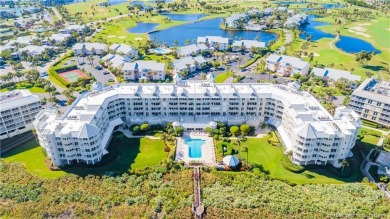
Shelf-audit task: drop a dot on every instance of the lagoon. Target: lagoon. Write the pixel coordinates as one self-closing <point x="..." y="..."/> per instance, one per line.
<point x="206" y="28"/>
<point x="311" y="29"/>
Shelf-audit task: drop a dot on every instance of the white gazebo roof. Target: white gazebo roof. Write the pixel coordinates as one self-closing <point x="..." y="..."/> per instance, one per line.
<point x="176" y="124"/>
<point x="231" y="161"/>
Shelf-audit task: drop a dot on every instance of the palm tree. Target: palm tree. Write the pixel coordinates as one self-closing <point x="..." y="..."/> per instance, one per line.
<point x="344" y="163"/>
<point x="245" y="150"/>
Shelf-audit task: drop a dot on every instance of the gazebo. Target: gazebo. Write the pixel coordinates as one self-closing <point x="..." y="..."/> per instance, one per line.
<point x="213" y="125"/>
<point x="176" y="124"/>
<point x="231" y="161"/>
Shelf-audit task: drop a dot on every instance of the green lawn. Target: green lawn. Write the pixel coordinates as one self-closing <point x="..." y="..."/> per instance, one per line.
<point x="124" y="155"/>
<point x="222" y="77"/>
<point x="269" y="157"/>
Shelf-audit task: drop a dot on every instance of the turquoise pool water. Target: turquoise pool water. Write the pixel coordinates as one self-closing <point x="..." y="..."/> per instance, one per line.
<point x="194" y="147"/>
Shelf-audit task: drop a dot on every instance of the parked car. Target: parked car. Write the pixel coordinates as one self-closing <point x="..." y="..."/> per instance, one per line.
<point x="81" y="63"/>
<point x="106" y="72"/>
<point x="98" y="67"/>
<point x="110" y="80"/>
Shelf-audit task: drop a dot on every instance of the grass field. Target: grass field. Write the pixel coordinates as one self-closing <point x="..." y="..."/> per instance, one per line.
<point x="268" y="156"/>
<point x="32" y="89"/>
<point x="130" y="154"/>
<point x="222" y="77"/>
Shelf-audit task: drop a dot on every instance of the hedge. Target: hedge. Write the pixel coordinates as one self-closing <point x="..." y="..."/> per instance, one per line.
<point x="228" y="148"/>
<point x="64" y="69"/>
<point x="54" y="74"/>
<point x="290" y="166"/>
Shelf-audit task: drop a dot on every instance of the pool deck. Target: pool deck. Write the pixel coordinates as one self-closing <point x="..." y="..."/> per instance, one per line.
<point x="208" y="153"/>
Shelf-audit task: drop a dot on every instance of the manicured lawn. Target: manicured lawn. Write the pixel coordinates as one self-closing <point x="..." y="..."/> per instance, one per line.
<point x="31" y="156"/>
<point x="222" y="77"/>
<point x="123" y="155"/>
<point x="269" y="157"/>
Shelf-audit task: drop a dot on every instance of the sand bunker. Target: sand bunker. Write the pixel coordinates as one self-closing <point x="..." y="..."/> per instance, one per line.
<point x="314" y="54"/>
<point x="138" y="38"/>
<point x="111" y="36"/>
<point x="358" y="30"/>
<point x="122" y="37"/>
<point x="364" y="24"/>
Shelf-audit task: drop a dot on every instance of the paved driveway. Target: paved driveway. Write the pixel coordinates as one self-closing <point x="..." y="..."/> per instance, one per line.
<point x="98" y="74"/>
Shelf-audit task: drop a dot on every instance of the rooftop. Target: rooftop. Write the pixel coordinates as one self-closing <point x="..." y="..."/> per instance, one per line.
<point x="335" y="74"/>
<point x="374" y="89"/>
<point x="16" y="98"/>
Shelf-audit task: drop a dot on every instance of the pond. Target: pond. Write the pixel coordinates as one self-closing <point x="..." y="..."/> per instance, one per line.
<point x="206" y="28"/>
<point x="355" y="45"/>
<point x="143" y="27"/>
<point x="346" y="43"/>
<point x="115" y="2"/>
<point x="184" y="17"/>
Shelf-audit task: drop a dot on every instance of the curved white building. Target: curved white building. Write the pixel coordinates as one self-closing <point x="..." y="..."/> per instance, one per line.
<point x="306" y="128"/>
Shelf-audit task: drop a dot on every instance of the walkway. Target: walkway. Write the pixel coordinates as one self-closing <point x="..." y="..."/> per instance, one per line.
<point x="197" y="206"/>
<point x="365" y="171"/>
<point x="288" y="40"/>
<point x="128" y="134"/>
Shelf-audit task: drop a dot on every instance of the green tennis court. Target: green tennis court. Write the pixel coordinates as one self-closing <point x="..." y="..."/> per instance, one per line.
<point x="72" y="76"/>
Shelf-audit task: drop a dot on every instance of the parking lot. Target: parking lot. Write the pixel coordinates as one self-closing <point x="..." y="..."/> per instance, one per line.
<point x="87" y="67"/>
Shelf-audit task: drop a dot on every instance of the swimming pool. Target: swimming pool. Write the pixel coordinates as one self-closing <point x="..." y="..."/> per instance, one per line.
<point x="194" y="147"/>
<point x="160" y="51"/>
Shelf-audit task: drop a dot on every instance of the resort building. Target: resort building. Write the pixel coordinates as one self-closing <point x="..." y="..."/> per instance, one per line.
<point x="305" y="127"/>
<point x="24" y="40"/>
<point x="17" y="109"/>
<point x="144" y="70"/>
<point x="371" y="100"/>
<point x="190" y="64"/>
<point x="246" y="45"/>
<point x="191" y="50"/>
<point x="115" y="61"/>
<point x="57" y="38"/>
<point x="89" y="48"/>
<point x="122" y="49"/>
<point x="80" y="29"/>
<point x="217" y="42"/>
<point x="286" y="65"/>
<point x="331" y="74"/>
<point x="296" y="20"/>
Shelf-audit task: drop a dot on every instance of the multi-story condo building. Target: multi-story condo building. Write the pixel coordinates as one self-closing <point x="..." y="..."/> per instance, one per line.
<point x="246" y="45"/>
<point x="123" y="49"/>
<point x="190" y="64"/>
<point x="286" y="65"/>
<point x="313" y="135"/>
<point x="144" y="70"/>
<point x="217" y="42"/>
<point x="371" y="100"/>
<point x="17" y="109"/>
<point x="191" y="50"/>
<point x="89" y="48"/>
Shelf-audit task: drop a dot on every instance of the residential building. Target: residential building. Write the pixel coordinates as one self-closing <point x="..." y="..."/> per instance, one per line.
<point x="74" y="28"/>
<point x="235" y="21"/>
<point x="286" y="65"/>
<point x="191" y="50"/>
<point x="115" y="61"/>
<point x="17" y="111"/>
<point x="123" y="49"/>
<point x="89" y="48"/>
<point x="306" y="129"/>
<point x="190" y="64"/>
<point x="55" y="38"/>
<point x="33" y="50"/>
<point x="144" y="70"/>
<point x="371" y="100"/>
<point x="297" y="20"/>
<point x="24" y="40"/>
<point x="217" y="42"/>
<point x="331" y="74"/>
<point x="247" y="45"/>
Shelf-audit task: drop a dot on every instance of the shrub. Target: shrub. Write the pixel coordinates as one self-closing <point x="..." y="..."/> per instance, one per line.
<point x="228" y="147"/>
<point x="136" y="129"/>
<point x="144" y="127"/>
<point x="290" y="166"/>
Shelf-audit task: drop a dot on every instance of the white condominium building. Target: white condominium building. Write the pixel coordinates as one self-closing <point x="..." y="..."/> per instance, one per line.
<point x="371" y="100"/>
<point x="286" y="65"/>
<point x="17" y="109"/>
<point x="246" y="45"/>
<point x="217" y="42"/>
<point x="190" y="64"/>
<point x="144" y="70"/>
<point x="83" y="132"/>
<point x="191" y="50"/>
<point x="89" y="48"/>
<point x="123" y="49"/>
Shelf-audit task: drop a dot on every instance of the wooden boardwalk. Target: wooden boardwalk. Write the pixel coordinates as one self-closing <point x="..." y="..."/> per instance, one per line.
<point x="197" y="206"/>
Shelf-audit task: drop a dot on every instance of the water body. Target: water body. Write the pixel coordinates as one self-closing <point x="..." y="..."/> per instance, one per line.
<point x="184" y="17"/>
<point x="194" y="147"/>
<point x="355" y="45"/>
<point x="116" y="2"/>
<point x="206" y="28"/>
<point x="311" y="29"/>
<point x="142" y="27"/>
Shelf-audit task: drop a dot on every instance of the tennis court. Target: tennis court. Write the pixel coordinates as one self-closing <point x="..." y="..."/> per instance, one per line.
<point x="72" y="75"/>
